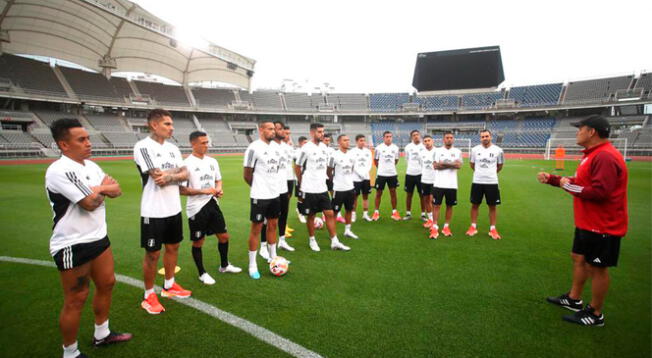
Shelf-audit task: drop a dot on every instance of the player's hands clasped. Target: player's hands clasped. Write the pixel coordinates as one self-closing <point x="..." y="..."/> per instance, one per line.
<point x="543" y="177"/>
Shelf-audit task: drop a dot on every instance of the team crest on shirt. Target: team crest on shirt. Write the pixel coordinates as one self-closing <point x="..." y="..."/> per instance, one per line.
<point x="212" y="167"/>
<point x="172" y="154"/>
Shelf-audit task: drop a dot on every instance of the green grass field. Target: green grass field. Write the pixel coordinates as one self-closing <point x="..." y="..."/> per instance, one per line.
<point x="396" y="294"/>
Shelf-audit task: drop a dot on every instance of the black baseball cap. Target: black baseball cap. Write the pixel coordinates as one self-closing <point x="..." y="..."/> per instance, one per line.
<point x="597" y="122"/>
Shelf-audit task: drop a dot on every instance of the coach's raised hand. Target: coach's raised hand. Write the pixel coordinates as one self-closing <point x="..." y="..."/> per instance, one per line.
<point x="543" y="177"/>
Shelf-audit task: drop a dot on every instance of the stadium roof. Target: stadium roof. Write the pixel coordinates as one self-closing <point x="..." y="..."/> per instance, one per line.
<point x="116" y="36"/>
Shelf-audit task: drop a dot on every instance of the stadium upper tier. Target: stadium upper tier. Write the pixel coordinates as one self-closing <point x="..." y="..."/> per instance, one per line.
<point x="28" y="78"/>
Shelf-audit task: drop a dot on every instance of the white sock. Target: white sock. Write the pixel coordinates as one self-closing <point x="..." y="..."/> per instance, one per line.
<point x="445" y="225"/>
<point x="492" y="227"/>
<point x="376" y="211"/>
<point x="473" y="224"/>
<point x="435" y="226"/>
<point x="272" y="250"/>
<point x="335" y="239"/>
<point x="312" y="238"/>
<point x="347" y="227"/>
<point x="423" y="213"/>
<point x="281" y="239"/>
<point x="430" y="216"/>
<point x="339" y="215"/>
<point x="71" y="351"/>
<point x="149" y="292"/>
<point x="409" y="213"/>
<point x="365" y="214"/>
<point x="252" y="261"/>
<point x="168" y="283"/>
<point x="102" y="330"/>
<point x="393" y="211"/>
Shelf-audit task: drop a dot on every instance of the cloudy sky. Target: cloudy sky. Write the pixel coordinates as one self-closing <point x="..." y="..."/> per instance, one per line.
<point x="371" y="46"/>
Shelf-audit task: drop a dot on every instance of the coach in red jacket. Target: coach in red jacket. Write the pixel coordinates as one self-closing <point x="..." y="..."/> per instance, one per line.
<point x="599" y="190"/>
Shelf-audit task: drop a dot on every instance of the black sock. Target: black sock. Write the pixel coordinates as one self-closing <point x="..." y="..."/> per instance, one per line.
<point x="199" y="261"/>
<point x="224" y="253"/>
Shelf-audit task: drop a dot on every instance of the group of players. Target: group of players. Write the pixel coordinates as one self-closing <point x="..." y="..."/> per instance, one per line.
<point x="323" y="180"/>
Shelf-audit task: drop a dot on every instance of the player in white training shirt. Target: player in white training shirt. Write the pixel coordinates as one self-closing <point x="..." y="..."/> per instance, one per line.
<point x="427" y="159"/>
<point x="80" y="247"/>
<point x="297" y="152"/>
<point x="361" y="182"/>
<point x="385" y="159"/>
<point x="486" y="161"/>
<point x="413" y="173"/>
<point x="313" y="193"/>
<point x="448" y="160"/>
<point x="328" y="141"/>
<point x="205" y="217"/>
<point x="161" y="170"/>
<point x="340" y="169"/>
<point x="291" y="177"/>
<point x="261" y="162"/>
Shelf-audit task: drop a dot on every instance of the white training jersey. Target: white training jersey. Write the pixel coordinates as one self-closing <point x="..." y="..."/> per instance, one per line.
<point x="362" y="165"/>
<point x="447" y="178"/>
<point x="486" y="163"/>
<point x="290" y="154"/>
<point x="427" y="158"/>
<point x="313" y="160"/>
<point x="202" y="174"/>
<point x="157" y="201"/>
<point x="413" y="158"/>
<point x="263" y="158"/>
<point x="387" y="155"/>
<point x="342" y="164"/>
<point x="282" y="174"/>
<point x="66" y="183"/>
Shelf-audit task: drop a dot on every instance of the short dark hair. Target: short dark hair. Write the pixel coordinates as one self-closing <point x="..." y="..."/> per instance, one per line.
<point x="485" y="130"/>
<point x="314" y="126"/>
<point x="281" y="123"/>
<point x="196" y="134"/>
<point x="360" y="136"/>
<point x="341" y="136"/>
<point x="286" y="126"/>
<point x="263" y="121"/>
<point x="61" y="127"/>
<point x="158" y="113"/>
<point x="386" y="133"/>
<point x="414" y="130"/>
<point x="427" y="136"/>
<point x="328" y="135"/>
<point x="302" y="139"/>
<point x="451" y="133"/>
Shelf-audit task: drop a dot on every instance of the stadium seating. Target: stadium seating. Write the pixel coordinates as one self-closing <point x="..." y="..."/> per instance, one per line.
<point x="349" y="101"/>
<point x="121" y="139"/>
<point x="645" y="82"/>
<point x="163" y="94"/>
<point x="213" y="97"/>
<point x="438" y="103"/>
<point x="32" y="76"/>
<point x="483" y="100"/>
<point x="121" y="87"/>
<point x="105" y="122"/>
<point x="262" y="100"/>
<point x="598" y="90"/>
<point x="18" y="139"/>
<point x="387" y="102"/>
<point x="299" y="102"/>
<point x="536" y="96"/>
<point x="90" y="85"/>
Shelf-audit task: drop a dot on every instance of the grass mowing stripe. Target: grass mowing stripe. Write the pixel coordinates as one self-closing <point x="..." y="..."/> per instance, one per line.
<point x="259" y="332"/>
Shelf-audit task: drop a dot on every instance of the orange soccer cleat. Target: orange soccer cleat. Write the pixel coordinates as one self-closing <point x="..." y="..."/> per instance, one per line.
<point x="494" y="234"/>
<point x="471" y="231"/>
<point x="375" y="216"/>
<point x="446" y="231"/>
<point x="176" y="291"/>
<point x="434" y="233"/>
<point x="152" y="305"/>
<point x="396" y="216"/>
<point x="428" y="224"/>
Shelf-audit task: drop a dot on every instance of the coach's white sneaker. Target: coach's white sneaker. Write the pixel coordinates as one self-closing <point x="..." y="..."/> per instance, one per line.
<point x="302" y="218"/>
<point x="263" y="251"/>
<point x="350" y="234"/>
<point x="314" y="246"/>
<point x="337" y="245"/>
<point x="282" y="244"/>
<point x="206" y="279"/>
<point x="353" y="217"/>
<point x="230" y="269"/>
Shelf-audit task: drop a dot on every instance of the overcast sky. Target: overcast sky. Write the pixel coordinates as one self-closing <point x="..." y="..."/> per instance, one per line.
<point x="371" y="46"/>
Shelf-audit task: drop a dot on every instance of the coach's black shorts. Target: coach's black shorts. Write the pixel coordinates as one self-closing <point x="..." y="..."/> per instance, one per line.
<point x="362" y="187"/>
<point x="392" y="182"/>
<point x="290" y="187"/>
<point x="488" y="191"/>
<point x="154" y="232"/>
<point x="438" y="195"/>
<point x="600" y="250"/>
<point x="426" y="189"/>
<point x="314" y="203"/>
<point x="208" y="221"/>
<point x="262" y="209"/>
<point x="343" y="199"/>
<point x="329" y="184"/>
<point x="79" y="254"/>
<point x="412" y="182"/>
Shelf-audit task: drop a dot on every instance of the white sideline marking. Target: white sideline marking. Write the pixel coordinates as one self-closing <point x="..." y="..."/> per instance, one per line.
<point x="255" y="330"/>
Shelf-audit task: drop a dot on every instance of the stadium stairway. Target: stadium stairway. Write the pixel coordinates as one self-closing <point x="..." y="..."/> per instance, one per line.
<point x="64" y="83"/>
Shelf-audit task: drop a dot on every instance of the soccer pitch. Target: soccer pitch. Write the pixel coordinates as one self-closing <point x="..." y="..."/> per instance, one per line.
<point x="396" y="293"/>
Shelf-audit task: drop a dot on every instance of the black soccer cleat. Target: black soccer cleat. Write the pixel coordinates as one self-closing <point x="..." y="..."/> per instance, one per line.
<point x="586" y="317"/>
<point x="112" y="338"/>
<point x="566" y="302"/>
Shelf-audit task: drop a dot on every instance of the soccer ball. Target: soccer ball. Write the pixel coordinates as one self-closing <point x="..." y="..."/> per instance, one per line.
<point x="319" y="223"/>
<point x="279" y="266"/>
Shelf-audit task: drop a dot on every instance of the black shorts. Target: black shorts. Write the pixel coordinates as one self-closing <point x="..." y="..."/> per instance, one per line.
<point x="262" y="209"/>
<point x="154" y="232"/>
<point x="315" y="203"/>
<point x="392" y="182"/>
<point x="362" y="187"/>
<point x="77" y="255"/>
<point x="426" y="189"/>
<point x="329" y="184"/>
<point x="208" y="221"/>
<point x="343" y="199"/>
<point x="290" y="187"/>
<point x="438" y="195"/>
<point x="412" y="182"/>
<point x="599" y="250"/>
<point x="488" y="191"/>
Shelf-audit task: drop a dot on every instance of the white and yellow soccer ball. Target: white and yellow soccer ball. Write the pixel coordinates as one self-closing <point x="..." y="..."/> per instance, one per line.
<point x="279" y="266"/>
<point x="319" y="223"/>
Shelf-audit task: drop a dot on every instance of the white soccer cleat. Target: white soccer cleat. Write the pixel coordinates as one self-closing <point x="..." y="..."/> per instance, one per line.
<point x="263" y="251"/>
<point x="353" y="217"/>
<point x="366" y="217"/>
<point x="337" y="245"/>
<point x="230" y="269"/>
<point x="314" y="246"/>
<point x="350" y="234"/>
<point x="302" y="219"/>
<point x="206" y="279"/>
<point x="283" y="245"/>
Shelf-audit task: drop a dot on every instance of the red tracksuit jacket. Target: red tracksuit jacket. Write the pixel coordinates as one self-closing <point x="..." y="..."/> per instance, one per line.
<point x="599" y="189"/>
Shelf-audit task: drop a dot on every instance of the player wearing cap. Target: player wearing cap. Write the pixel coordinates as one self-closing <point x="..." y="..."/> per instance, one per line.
<point x="448" y="160"/>
<point x="340" y="169"/>
<point x="599" y="190"/>
<point x="161" y="169"/>
<point x="385" y="159"/>
<point x="413" y="173"/>
<point x="361" y="179"/>
<point x="205" y="217"/>
<point x="76" y="188"/>
<point x="486" y="161"/>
